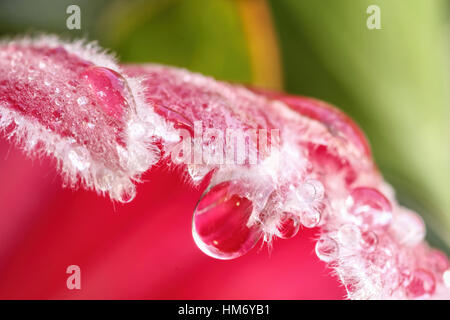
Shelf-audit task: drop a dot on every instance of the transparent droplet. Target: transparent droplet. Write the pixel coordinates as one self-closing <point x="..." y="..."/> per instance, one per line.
<point x="288" y="226"/>
<point x="179" y="120"/>
<point x="382" y="260"/>
<point x="327" y="249"/>
<point x="421" y="284"/>
<point x="310" y="218"/>
<point x="109" y="88"/>
<point x="312" y="190"/>
<point x="370" y="207"/>
<point x="369" y="241"/>
<point x="221" y="226"/>
<point x="128" y="193"/>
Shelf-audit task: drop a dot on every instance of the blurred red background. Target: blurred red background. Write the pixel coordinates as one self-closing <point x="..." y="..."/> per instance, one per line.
<point x="142" y="250"/>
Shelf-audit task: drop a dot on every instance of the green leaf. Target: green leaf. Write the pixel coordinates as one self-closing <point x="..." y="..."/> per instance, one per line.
<point x="201" y="35"/>
<point x="392" y="81"/>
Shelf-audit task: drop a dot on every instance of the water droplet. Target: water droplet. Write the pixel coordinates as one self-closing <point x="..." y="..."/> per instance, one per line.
<point x="370" y="207"/>
<point x="288" y="226"/>
<point x="369" y="241"/>
<point x="179" y="120"/>
<point x="126" y="193"/>
<point x="327" y="249"/>
<point x="221" y="223"/>
<point x="310" y="218"/>
<point x="421" y="284"/>
<point x="382" y="259"/>
<point x="109" y="88"/>
<point x="312" y="190"/>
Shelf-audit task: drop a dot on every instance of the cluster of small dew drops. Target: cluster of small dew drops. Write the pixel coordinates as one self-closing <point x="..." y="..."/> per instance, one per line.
<point x="376" y="254"/>
<point x="376" y="247"/>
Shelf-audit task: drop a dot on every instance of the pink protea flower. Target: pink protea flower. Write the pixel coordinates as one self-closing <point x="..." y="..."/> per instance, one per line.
<point x="106" y="125"/>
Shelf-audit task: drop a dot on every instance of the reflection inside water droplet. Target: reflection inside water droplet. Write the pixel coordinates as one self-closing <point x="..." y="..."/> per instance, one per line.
<point x="310" y="217"/>
<point x="369" y="241"/>
<point x="370" y="207"/>
<point x="221" y="226"/>
<point x="288" y="226"/>
<point x="109" y="89"/>
<point x="327" y="249"/>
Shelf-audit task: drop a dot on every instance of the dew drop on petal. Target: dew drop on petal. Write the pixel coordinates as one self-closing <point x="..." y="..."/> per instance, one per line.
<point x="312" y="190"/>
<point x="421" y="284"/>
<point x="382" y="260"/>
<point x="221" y="223"/>
<point x="369" y="241"/>
<point x="108" y="87"/>
<point x="179" y="120"/>
<point x="288" y="226"/>
<point x="370" y="207"/>
<point x="310" y="218"/>
<point x="128" y="193"/>
<point x="327" y="249"/>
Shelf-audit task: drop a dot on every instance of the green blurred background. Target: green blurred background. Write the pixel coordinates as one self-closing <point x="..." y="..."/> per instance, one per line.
<point x="392" y="81"/>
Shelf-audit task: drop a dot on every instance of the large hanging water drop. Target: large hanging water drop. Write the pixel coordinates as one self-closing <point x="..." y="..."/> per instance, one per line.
<point x="221" y="224"/>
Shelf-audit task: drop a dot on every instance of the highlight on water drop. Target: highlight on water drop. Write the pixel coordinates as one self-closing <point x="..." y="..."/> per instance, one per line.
<point x="221" y="224"/>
